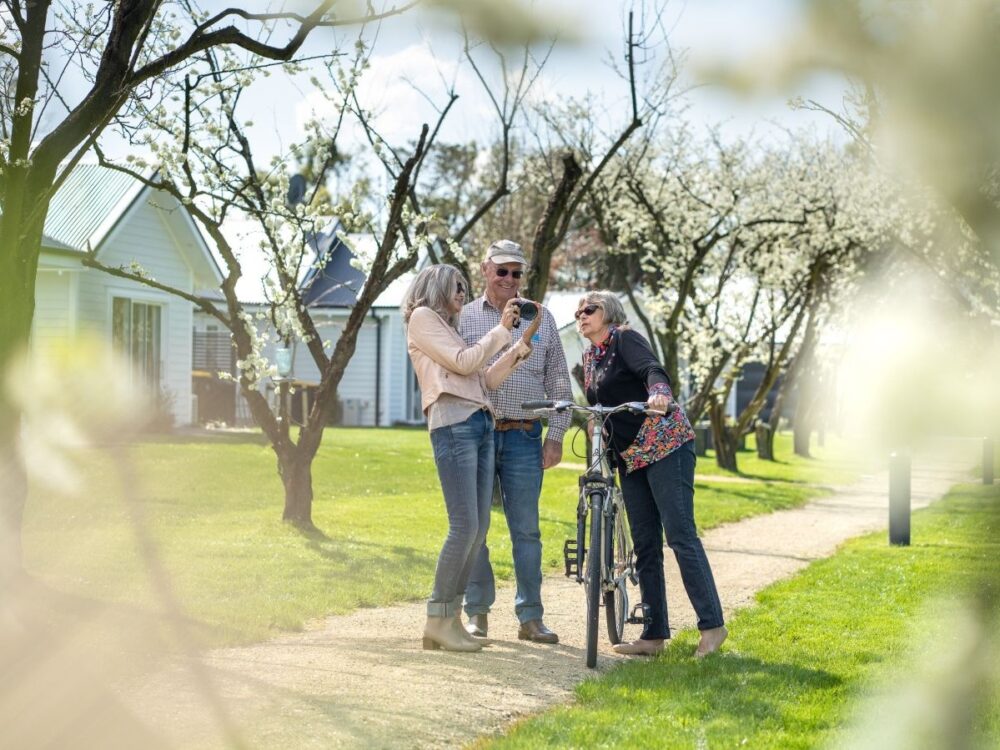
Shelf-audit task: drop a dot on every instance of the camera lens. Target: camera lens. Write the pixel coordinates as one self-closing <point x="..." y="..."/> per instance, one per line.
<point x="529" y="311"/>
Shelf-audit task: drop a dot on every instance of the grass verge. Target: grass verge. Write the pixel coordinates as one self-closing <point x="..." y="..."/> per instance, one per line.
<point x="213" y="507"/>
<point x="797" y="664"/>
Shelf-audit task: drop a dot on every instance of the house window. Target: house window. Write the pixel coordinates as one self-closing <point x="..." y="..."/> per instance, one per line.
<point x="136" y="333"/>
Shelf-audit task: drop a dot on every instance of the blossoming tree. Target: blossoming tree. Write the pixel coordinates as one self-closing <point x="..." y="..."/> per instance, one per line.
<point x="116" y="54"/>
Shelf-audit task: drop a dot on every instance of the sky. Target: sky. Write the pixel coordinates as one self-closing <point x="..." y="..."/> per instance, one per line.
<point x="424" y="51"/>
<point x="419" y="51"/>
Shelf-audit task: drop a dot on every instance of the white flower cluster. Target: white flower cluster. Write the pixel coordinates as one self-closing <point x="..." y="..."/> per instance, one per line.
<point x="733" y="242"/>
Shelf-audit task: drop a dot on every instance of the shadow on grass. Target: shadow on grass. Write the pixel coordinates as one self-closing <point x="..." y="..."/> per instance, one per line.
<point x="207" y="437"/>
<point x="106" y="626"/>
<point x="739" y="689"/>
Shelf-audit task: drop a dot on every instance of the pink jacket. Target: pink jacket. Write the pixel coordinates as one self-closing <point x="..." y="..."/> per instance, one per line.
<point x="444" y="363"/>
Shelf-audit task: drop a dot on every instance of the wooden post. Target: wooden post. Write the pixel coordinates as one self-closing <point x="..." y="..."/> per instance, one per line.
<point x="899" y="498"/>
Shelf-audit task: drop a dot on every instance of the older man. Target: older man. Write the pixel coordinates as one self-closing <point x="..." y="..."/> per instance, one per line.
<point x="520" y="453"/>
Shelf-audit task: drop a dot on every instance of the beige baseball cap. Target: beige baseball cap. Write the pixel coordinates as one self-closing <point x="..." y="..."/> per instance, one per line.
<point x="506" y="251"/>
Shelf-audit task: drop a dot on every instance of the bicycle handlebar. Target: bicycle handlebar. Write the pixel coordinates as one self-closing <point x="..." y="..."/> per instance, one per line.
<point x="636" y="407"/>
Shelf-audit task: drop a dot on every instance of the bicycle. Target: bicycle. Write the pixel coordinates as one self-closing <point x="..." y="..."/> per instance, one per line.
<point x="607" y="566"/>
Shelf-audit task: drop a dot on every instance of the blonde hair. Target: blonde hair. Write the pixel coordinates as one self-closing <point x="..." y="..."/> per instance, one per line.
<point x="434" y="287"/>
<point x="614" y="313"/>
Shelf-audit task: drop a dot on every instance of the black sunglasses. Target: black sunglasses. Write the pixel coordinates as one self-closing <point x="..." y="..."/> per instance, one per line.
<point x="588" y="310"/>
<point x="501" y="272"/>
<point x="460" y="289"/>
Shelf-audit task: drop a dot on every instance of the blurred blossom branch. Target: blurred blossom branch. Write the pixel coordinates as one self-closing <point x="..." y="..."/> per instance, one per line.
<point x="926" y="72"/>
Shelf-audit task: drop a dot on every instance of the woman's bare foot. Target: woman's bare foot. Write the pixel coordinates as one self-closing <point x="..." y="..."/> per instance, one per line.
<point x="640" y="647"/>
<point x="710" y="641"/>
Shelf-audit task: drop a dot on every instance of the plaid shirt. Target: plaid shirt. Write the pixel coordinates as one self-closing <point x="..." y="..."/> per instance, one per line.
<point x="544" y="376"/>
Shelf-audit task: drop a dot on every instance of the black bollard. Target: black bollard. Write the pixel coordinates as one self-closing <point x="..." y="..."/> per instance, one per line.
<point x="899" y="498"/>
<point x="988" y="460"/>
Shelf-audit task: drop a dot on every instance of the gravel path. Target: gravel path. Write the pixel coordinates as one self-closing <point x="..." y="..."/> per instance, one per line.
<point x="362" y="680"/>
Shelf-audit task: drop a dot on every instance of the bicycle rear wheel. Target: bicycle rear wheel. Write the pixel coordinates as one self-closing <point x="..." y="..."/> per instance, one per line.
<point x="616" y="601"/>
<point x="593" y="583"/>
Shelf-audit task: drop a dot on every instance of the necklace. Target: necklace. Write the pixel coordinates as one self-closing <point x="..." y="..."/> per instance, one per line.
<point x="594" y="357"/>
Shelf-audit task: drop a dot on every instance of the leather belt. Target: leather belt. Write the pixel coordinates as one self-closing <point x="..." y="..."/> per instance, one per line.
<point x="502" y="425"/>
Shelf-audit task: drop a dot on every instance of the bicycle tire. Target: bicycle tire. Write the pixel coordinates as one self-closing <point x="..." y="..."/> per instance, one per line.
<point x="593" y="587"/>
<point x="615" y="602"/>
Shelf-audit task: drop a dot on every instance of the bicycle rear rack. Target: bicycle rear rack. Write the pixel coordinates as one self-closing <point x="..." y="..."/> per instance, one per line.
<point x="572" y="557"/>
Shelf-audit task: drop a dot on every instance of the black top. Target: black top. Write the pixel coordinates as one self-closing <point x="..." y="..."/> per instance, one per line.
<point x="626" y="373"/>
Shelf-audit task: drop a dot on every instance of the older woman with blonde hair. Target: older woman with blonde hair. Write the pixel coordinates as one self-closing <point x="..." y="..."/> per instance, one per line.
<point x="656" y="462"/>
<point x="453" y="382"/>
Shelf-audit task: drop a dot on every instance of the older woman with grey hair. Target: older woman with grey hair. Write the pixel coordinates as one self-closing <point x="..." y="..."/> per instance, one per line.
<point x="656" y="462"/>
<point x="453" y="385"/>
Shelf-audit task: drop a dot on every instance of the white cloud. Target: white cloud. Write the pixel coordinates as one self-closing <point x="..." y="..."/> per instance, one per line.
<point x="406" y="89"/>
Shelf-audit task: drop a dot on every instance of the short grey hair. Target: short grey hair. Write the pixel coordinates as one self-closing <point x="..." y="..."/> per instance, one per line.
<point x="434" y="287"/>
<point x="614" y="313"/>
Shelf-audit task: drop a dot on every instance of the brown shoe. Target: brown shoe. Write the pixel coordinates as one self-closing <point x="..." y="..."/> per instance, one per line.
<point x="535" y="630"/>
<point x="641" y="647"/>
<point x="478" y="625"/>
<point x="710" y="641"/>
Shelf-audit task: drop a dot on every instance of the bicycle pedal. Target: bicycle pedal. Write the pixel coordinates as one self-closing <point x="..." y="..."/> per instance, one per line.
<point x="646" y="618"/>
<point x="571" y="558"/>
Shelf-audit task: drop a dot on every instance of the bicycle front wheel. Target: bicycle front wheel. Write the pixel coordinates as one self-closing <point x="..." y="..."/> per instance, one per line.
<point x="616" y="601"/>
<point x="594" y="579"/>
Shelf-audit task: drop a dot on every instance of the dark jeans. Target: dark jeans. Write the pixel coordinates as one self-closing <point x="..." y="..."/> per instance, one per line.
<point x="463" y="453"/>
<point x="658" y="498"/>
<point x="519" y="469"/>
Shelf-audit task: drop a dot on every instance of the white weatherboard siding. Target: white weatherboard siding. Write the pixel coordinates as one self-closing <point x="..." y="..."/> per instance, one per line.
<point x="54" y="298"/>
<point x="123" y="222"/>
<point x="357" y="388"/>
<point x="141" y="236"/>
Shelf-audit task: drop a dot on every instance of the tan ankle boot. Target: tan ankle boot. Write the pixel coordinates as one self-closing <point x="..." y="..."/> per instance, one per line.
<point x="464" y="634"/>
<point x="441" y="632"/>
<point x="710" y="642"/>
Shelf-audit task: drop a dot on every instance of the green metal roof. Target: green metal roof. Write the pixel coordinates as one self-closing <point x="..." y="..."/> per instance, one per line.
<point x="85" y="203"/>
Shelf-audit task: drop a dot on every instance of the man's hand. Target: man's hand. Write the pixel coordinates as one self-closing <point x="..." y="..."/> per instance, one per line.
<point x="551" y="453"/>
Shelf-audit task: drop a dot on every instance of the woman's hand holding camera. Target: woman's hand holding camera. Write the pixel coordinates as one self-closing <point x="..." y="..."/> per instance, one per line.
<point x="532" y="329"/>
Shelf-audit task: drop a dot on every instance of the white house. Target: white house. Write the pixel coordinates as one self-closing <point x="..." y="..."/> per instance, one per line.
<point x="124" y="221"/>
<point x="379" y="387"/>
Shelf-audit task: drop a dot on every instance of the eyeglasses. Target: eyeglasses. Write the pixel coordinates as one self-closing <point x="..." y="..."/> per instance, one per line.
<point x="460" y="288"/>
<point x="588" y="311"/>
<point x="501" y="272"/>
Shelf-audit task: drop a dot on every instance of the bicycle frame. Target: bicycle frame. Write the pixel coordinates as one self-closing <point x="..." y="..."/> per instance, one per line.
<point x="600" y="498"/>
<point x="597" y="568"/>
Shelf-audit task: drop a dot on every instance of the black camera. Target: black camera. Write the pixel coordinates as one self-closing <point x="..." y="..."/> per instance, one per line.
<point x="528" y="310"/>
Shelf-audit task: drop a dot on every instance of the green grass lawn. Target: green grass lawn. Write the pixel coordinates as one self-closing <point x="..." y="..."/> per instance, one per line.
<point x="214" y="506"/>
<point x="834" y="462"/>
<point x="797" y="665"/>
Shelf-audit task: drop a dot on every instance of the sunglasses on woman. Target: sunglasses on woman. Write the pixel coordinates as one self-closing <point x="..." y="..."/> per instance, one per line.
<point x="588" y="311"/>
<point x="460" y="289"/>
<point x="501" y="272"/>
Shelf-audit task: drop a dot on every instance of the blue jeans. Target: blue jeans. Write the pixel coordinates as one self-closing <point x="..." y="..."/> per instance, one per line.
<point x="658" y="498"/>
<point x="463" y="453"/>
<point x="519" y="468"/>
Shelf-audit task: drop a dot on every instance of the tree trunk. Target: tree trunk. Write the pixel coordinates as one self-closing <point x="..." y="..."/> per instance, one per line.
<point x="765" y="441"/>
<point x="547" y="235"/>
<point x="19" y="251"/>
<point x="296" y="475"/>
<point x="801" y="434"/>
<point x="725" y="439"/>
<point x="803" y="421"/>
